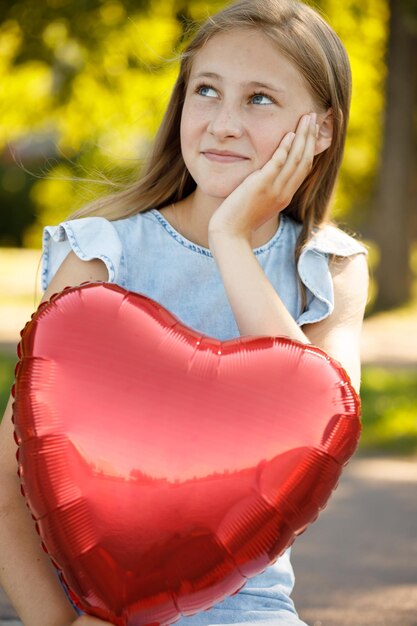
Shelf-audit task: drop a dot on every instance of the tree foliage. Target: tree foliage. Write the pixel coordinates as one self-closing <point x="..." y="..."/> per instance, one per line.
<point x="84" y="85"/>
<point x="362" y="26"/>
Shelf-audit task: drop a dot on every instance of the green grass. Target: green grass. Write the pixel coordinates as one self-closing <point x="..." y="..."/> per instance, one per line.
<point x="389" y="407"/>
<point x="7" y="365"/>
<point x="389" y="410"/>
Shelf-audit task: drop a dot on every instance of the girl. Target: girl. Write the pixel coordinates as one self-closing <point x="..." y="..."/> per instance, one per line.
<point x="228" y="228"/>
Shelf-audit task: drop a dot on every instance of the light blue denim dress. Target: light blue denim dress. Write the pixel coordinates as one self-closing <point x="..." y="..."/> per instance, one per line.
<point x="145" y="254"/>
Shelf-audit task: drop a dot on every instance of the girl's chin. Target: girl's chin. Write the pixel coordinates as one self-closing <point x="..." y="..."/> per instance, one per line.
<point x="219" y="190"/>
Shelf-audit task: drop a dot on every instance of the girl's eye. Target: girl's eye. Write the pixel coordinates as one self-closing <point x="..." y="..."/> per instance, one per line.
<point x="202" y="90"/>
<point x="260" y="96"/>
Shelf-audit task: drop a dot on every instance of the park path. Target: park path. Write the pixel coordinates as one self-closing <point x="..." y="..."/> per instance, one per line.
<point x="357" y="565"/>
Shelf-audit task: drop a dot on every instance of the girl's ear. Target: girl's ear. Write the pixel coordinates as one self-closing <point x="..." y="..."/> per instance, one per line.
<point x="325" y="133"/>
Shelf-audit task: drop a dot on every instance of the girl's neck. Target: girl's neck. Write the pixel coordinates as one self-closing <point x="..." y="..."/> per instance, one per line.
<point x="191" y="216"/>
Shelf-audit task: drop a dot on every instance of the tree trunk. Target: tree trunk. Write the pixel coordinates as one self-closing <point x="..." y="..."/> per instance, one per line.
<point x="394" y="197"/>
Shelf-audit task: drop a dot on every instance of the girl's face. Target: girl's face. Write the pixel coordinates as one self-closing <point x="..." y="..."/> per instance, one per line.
<point x="243" y="96"/>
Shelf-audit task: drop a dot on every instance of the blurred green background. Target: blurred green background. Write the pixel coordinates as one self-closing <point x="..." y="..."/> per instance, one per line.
<point x="83" y="86"/>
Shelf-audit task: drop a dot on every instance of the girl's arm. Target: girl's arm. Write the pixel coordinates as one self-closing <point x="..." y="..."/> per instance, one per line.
<point x="26" y="573"/>
<point x="258" y="310"/>
<point x="256" y="306"/>
<point x="339" y="334"/>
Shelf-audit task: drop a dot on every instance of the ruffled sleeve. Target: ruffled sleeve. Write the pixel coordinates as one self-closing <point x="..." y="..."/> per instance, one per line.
<point x="90" y="238"/>
<point x="313" y="269"/>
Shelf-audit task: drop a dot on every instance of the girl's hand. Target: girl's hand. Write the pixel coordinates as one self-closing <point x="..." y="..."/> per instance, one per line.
<point x="267" y="191"/>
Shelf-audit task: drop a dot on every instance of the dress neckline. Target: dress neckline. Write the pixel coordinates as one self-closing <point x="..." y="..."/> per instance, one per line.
<point x="206" y="251"/>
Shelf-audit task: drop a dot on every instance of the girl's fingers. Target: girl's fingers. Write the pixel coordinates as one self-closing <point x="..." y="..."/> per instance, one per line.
<point x="280" y="156"/>
<point x="292" y="160"/>
<point x="310" y="148"/>
<point x="298" y="149"/>
<point x="300" y="157"/>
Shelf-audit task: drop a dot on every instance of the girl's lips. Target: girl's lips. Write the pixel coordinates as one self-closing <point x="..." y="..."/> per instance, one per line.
<point x="223" y="158"/>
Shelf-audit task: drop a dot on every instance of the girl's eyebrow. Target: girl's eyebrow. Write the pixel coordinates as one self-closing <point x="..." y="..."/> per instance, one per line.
<point x="253" y="83"/>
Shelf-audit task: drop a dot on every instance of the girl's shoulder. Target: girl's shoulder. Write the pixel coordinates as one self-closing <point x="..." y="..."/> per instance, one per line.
<point x="89" y="237"/>
<point x="329" y="239"/>
<point x="332" y="240"/>
<point x="313" y="268"/>
<point x="96" y="237"/>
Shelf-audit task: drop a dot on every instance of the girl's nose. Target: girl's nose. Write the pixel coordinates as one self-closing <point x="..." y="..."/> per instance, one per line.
<point x="225" y="122"/>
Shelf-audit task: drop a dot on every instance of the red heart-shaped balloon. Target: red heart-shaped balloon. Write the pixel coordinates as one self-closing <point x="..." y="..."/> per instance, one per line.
<point x="164" y="467"/>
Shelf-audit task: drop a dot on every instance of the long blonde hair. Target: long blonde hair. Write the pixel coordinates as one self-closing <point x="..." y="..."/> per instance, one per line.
<point x="306" y="39"/>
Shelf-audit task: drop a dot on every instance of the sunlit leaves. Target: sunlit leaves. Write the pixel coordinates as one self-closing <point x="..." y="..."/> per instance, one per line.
<point x="25" y="90"/>
<point x="362" y="25"/>
<point x="10" y="42"/>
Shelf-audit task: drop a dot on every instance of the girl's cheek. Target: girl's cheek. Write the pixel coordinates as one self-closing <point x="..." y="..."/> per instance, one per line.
<point x="194" y="119"/>
<point x="198" y="104"/>
<point x="268" y="140"/>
